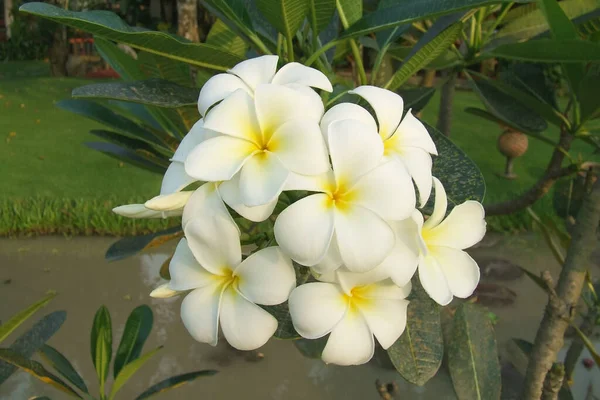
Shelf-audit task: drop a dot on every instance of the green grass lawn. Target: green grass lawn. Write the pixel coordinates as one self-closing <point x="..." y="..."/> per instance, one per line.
<point x="52" y="183"/>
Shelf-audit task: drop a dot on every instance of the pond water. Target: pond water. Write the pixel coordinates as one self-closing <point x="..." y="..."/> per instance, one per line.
<point x="76" y="269"/>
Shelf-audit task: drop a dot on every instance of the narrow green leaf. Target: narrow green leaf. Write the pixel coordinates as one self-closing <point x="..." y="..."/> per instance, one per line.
<point x="108" y="25"/>
<point x="126" y="141"/>
<point x="588" y="93"/>
<point x="551" y="238"/>
<point x="472" y="355"/>
<point x="129" y="246"/>
<point x="418" y="353"/>
<point x="138" y="158"/>
<point x="285" y="15"/>
<point x="320" y="14"/>
<point x="63" y="366"/>
<point x="233" y="13"/>
<point x="550" y="51"/>
<point x="101" y="344"/>
<point x="16" y="320"/>
<point x="37" y="370"/>
<point x="128" y="371"/>
<point x="588" y="344"/>
<point x="220" y="35"/>
<point x="137" y="329"/>
<point x="124" y="64"/>
<point x="536" y="279"/>
<point x="352" y="10"/>
<point x="447" y="59"/>
<point x="174" y="382"/>
<point x="156" y="92"/>
<point x="417" y="98"/>
<point x="428" y="51"/>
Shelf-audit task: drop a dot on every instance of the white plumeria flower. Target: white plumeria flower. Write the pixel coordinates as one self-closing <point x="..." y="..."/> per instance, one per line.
<point x="404" y="138"/>
<point x="249" y="74"/>
<point x="352" y="313"/>
<point x="264" y="139"/>
<point x="348" y="217"/>
<point x="445" y="270"/>
<point x="225" y="290"/>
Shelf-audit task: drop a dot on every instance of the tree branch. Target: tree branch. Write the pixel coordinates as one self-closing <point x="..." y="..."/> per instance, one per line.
<point x="561" y="302"/>
<point x="553" y="382"/>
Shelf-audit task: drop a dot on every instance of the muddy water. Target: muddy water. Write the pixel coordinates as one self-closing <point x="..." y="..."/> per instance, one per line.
<point x="76" y="269"/>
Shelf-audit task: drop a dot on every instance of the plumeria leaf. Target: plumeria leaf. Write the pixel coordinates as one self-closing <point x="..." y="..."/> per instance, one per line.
<point x="137" y="329"/>
<point x="457" y="172"/>
<point x="417" y="98"/>
<point x="472" y="355"/>
<point x="320" y="14"/>
<point x="550" y="51"/>
<point x="221" y="35"/>
<point x="101" y="344"/>
<point x="30" y="342"/>
<point x="233" y="13"/>
<point x="588" y="93"/>
<point x="128" y="370"/>
<point x="418" y="353"/>
<point x="109" y="26"/>
<point x="446" y="59"/>
<point x="145" y="160"/>
<point x="127" y="142"/>
<point x="129" y="246"/>
<point x="285" y="15"/>
<point x="174" y="382"/>
<point x="155" y="92"/>
<point x="164" y="269"/>
<point x="311" y="348"/>
<point x="63" y="366"/>
<point x="16" y="320"/>
<point x="36" y="369"/>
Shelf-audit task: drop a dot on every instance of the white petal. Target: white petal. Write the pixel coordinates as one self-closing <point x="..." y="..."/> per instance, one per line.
<point x="186" y="273"/>
<point x="331" y="261"/>
<point x="262" y="179"/>
<point x="245" y="325"/>
<point x="433" y="280"/>
<point x="275" y="105"/>
<point x="385" y="290"/>
<point x="300" y="74"/>
<point x="300" y="147"/>
<point x="256" y="71"/>
<point x="195" y="136"/>
<point x="215" y="243"/>
<point x="464" y="227"/>
<point x="164" y="291"/>
<point x="304" y="229"/>
<point x="350" y="343"/>
<point x="175" y="179"/>
<point x="141" y="211"/>
<point x="419" y="163"/>
<point x="387" y="190"/>
<point x="412" y="133"/>
<point x="316" y="308"/>
<point x="205" y="202"/>
<point x="218" y="159"/>
<point x="230" y="190"/>
<point x="314" y="107"/>
<point x="169" y="202"/>
<point x="386" y="319"/>
<point x="364" y="239"/>
<point x="354" y="150"/>
<point x="388" y="107"/>
<point x="347" y="111"/>
<point x="401" y="264"/>
<point x="266" y="277"/>
<point x="200" y="313"/>
<point x="235" y="116"/>
<point x="460" y="270"/>
<point x="216" y="89"/>
<point x="312" y="183"/>
<point x="440" y="206"/>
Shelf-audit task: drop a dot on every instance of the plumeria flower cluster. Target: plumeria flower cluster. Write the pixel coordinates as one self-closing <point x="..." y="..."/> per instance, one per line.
<point x="357" y="223"/>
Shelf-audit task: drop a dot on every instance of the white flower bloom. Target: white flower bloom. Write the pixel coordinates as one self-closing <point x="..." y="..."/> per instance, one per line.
<point x="264" y="140"/>
<point x="355" y="201"/>
<point x="404" y="138"/>
<point x="225" y="290"/>
<point x="445" y="270"/>
<point x="249" y="74"/>
<point x="352" y="312"/>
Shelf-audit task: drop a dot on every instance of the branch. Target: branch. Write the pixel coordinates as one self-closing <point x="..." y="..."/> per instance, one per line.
<point x="553" y="382"/>
<point x="558" y="313"/>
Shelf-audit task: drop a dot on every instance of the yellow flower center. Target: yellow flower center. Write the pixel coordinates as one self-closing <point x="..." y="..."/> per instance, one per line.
<point x="229" y="278"/>
<point x="358" y="298"/>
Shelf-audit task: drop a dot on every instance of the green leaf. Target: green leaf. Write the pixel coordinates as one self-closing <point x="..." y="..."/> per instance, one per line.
<point x="416" y="99"/>
<point x="426" y="50"/>
<point x="101" y="345"/>
<point x="311" y="348"/>
<point x="137" y="330"/>
<point x="385" y="38"/>
<point x="128" y="371"/>
<point x="36" y="369"/>
<point x="31" y="341"/>
<point x="285" y="15"/>
<point x="447" y="59"/>
<point x="16" y="320"/>
<point x="156" y="92"/>
<point x="472" y="355"/>
<point x="551" y="237"/>
<point x="410" y="11"/>
<point x="125" y="141"/>
<point x="129" y="246"/>
<point x="588" y="93"/>
<point x="320" y="14"/>
<point x="138" y="158"/>
<point x="550" y="51"/>
<point x="418" y="353"/>
<point x="533" y="79"/>
<point x="233" y="13"/>
<point x="351" y="9"/>
<point x="588" y="344"/>
<point x="63" y="366"/>
<point x="173" y="382"/>
<point x="108" y="25"/>
<point x="220" y="35"/>
<point x="458" y="173"/>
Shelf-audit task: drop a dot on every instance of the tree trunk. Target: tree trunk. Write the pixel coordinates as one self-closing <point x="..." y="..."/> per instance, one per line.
<point x="444" y="123"/>
<point x="59" y="52"/>
<point x="8" y="17"/>
<point x="187" y="19"/>
<point x="428" y="78"/>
